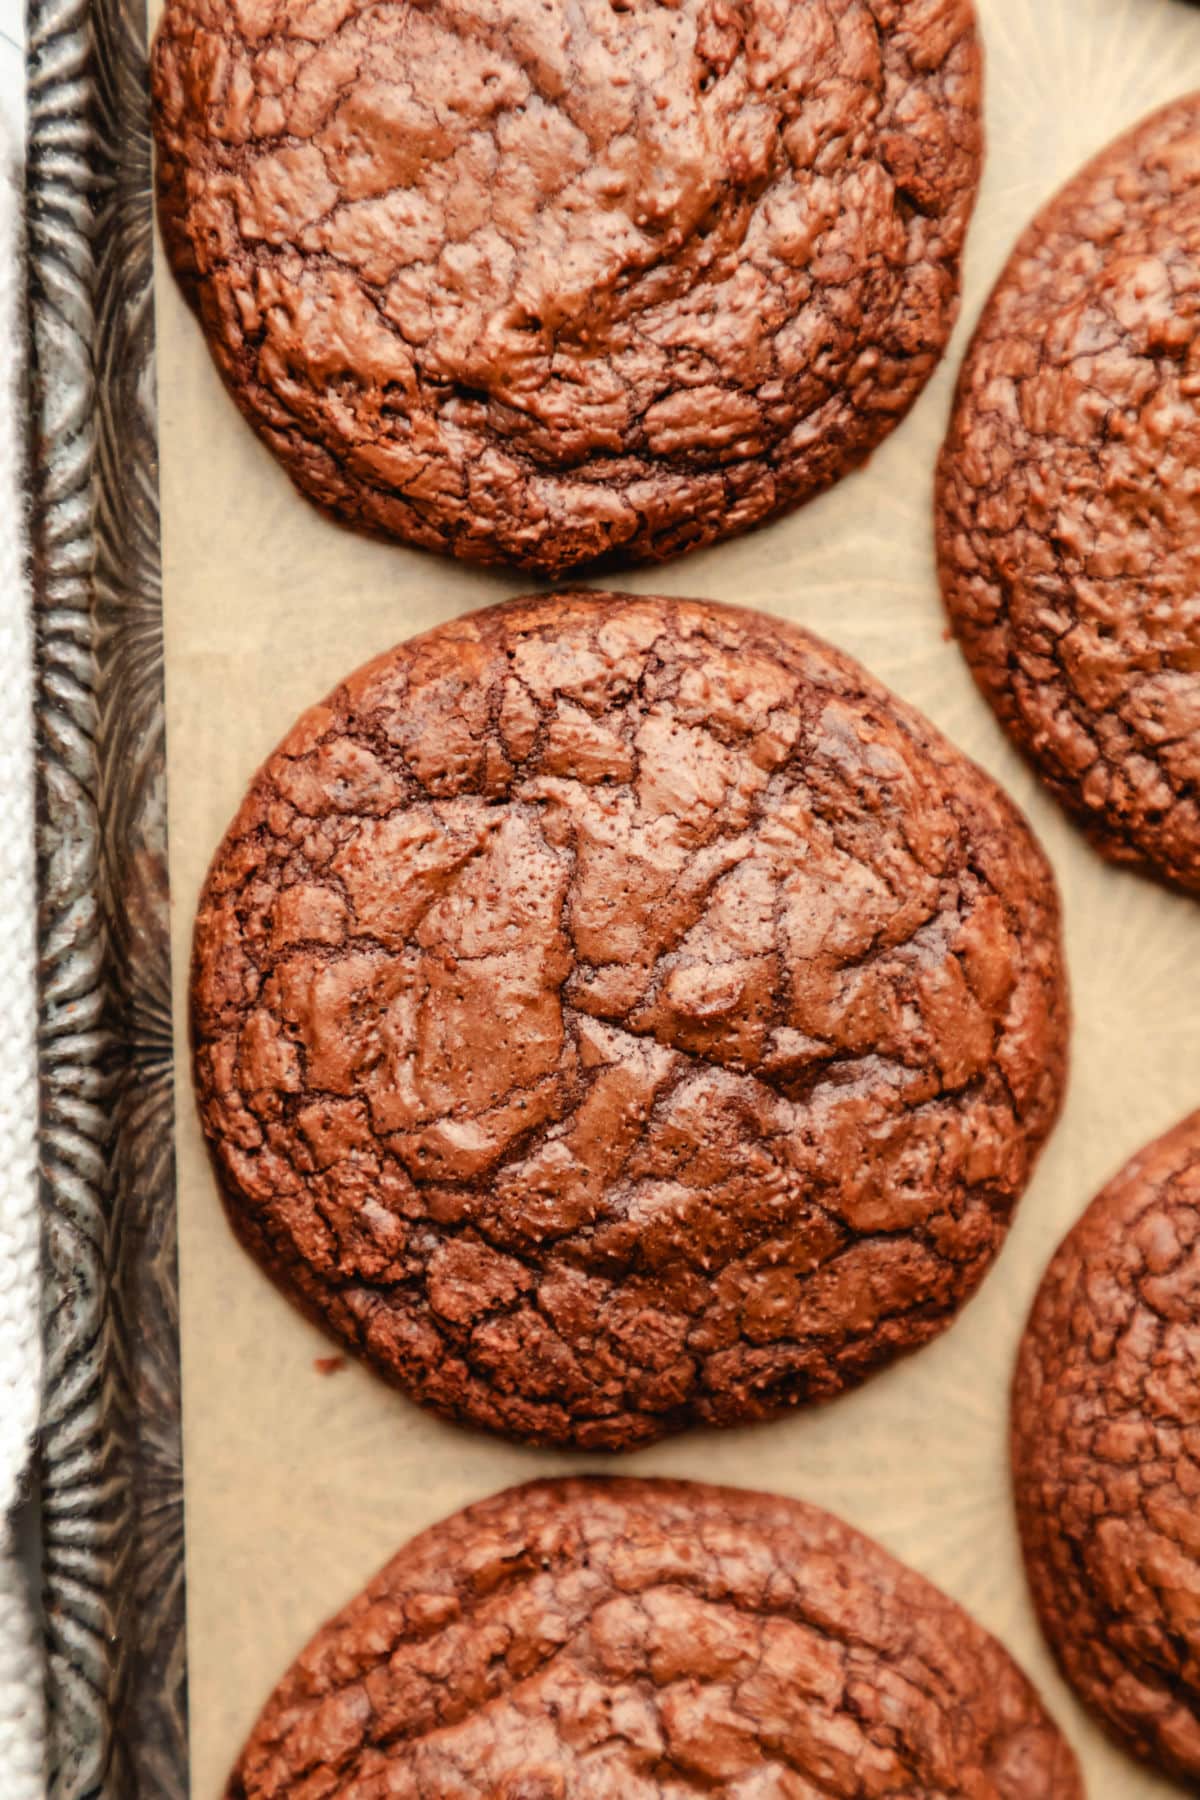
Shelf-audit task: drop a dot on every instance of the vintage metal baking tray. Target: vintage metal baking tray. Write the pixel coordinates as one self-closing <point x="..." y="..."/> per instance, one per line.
<point x="111" y="1494"/>
<point x="158" y="521"/>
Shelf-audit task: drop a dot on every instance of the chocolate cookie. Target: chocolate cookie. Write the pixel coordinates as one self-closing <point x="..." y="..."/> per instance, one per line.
<point x="612" y="1013"/>
<point x="1068" y="506"/>
<point x="545" y="282"/>
<point x="1106" y="1454"/>
<point x="620" y="1640"/>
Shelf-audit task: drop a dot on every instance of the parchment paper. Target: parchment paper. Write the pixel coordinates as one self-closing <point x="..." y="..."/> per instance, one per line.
<point x="298" y="1484"/>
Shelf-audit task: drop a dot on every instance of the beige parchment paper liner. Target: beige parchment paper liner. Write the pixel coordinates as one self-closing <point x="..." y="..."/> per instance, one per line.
<point x="299" y="1484"/>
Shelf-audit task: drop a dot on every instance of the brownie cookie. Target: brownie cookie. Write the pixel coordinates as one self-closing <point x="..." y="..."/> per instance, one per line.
<point x="611" y="1013"/>
<point x="1068" y="506"/>
<point x="620" y="1640"/>
<point x="1106" y="1454"/>
<point x="544" y="282"/>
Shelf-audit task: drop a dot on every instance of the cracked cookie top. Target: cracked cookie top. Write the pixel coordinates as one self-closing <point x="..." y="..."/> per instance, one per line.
<point x="612" y="1013"/>
<point x="544" y="282"/>
<point x="1106" y="1454"/>
<point x="652" y="1640"/>
<point x="1069" y="497"/>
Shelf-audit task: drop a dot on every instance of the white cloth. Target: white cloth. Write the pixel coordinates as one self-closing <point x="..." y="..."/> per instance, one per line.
<point x="21" y="1768"/>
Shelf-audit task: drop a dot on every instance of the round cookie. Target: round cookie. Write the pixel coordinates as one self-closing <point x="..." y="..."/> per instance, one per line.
<point x="1106" y="1454"/>
<point x="1068" y="510"/>
<point x="615" y="1013"/>
<point x="539" y="282"/>
<point x="625" y="1640"/>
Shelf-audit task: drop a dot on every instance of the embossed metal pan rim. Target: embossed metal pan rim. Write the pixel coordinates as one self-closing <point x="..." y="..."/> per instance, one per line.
<point x="110" y="1463"/>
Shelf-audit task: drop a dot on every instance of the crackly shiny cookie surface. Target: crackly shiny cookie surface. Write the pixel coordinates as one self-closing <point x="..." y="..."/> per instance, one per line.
<point x="1069" y="500"/>
<point x="612" y="1013"/>
<point x="626" y="1640"/>
<point x="1106" y="1453"/>
<point x="543" y="282"/>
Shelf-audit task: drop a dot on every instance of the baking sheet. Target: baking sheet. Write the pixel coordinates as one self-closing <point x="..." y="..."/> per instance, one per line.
<point x="300" y="1483"/>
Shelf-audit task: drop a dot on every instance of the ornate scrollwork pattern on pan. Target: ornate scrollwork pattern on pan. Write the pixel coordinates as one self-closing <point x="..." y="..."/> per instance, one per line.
<point x="111" y="1483"/>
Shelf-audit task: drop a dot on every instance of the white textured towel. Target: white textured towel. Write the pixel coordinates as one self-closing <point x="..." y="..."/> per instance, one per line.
<point x="21" y="1776"/>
